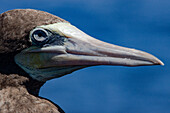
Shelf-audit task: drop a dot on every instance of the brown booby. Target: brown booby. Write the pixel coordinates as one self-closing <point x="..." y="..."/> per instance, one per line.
<point x="36" y="46"/>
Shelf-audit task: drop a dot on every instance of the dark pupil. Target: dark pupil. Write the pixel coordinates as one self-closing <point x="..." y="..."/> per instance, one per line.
<point x="40" y="34"/>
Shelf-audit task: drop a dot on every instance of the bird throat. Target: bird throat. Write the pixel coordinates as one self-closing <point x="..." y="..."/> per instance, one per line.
<point x="44" y="74"/>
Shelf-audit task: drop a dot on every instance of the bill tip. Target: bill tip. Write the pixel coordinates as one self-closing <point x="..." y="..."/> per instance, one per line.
<point x="159" y="62"/>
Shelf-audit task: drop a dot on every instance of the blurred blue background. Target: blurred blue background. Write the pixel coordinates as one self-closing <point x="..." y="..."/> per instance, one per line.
<point x="140" y="24"/>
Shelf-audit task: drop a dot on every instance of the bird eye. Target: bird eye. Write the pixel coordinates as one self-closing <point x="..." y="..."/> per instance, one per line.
<point x="39" y="36"/>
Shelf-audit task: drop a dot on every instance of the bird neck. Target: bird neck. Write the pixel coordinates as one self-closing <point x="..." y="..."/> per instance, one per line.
<point x="14" y="80"/>
<point x="11" y="75"/>
<point x="33" y="86"/>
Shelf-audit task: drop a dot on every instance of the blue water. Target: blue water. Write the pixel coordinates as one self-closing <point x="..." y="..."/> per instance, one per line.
<point x="143" y="25"/>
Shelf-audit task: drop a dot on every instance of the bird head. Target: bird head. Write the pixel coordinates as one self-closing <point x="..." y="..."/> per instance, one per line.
<point x="47" y="46"/>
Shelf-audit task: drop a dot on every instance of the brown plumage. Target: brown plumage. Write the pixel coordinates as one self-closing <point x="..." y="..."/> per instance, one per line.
<point x="36" y="46"/>
<point x="19" y="92"/>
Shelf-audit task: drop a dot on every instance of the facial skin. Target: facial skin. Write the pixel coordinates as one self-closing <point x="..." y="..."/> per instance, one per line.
<point x="61" y="48"/>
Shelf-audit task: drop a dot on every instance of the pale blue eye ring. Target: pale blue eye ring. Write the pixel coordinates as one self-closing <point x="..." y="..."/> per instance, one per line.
<point x="39" y="36"/>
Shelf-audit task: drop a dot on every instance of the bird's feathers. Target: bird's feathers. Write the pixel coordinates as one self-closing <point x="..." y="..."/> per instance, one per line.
<point x="16" y="24"/>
